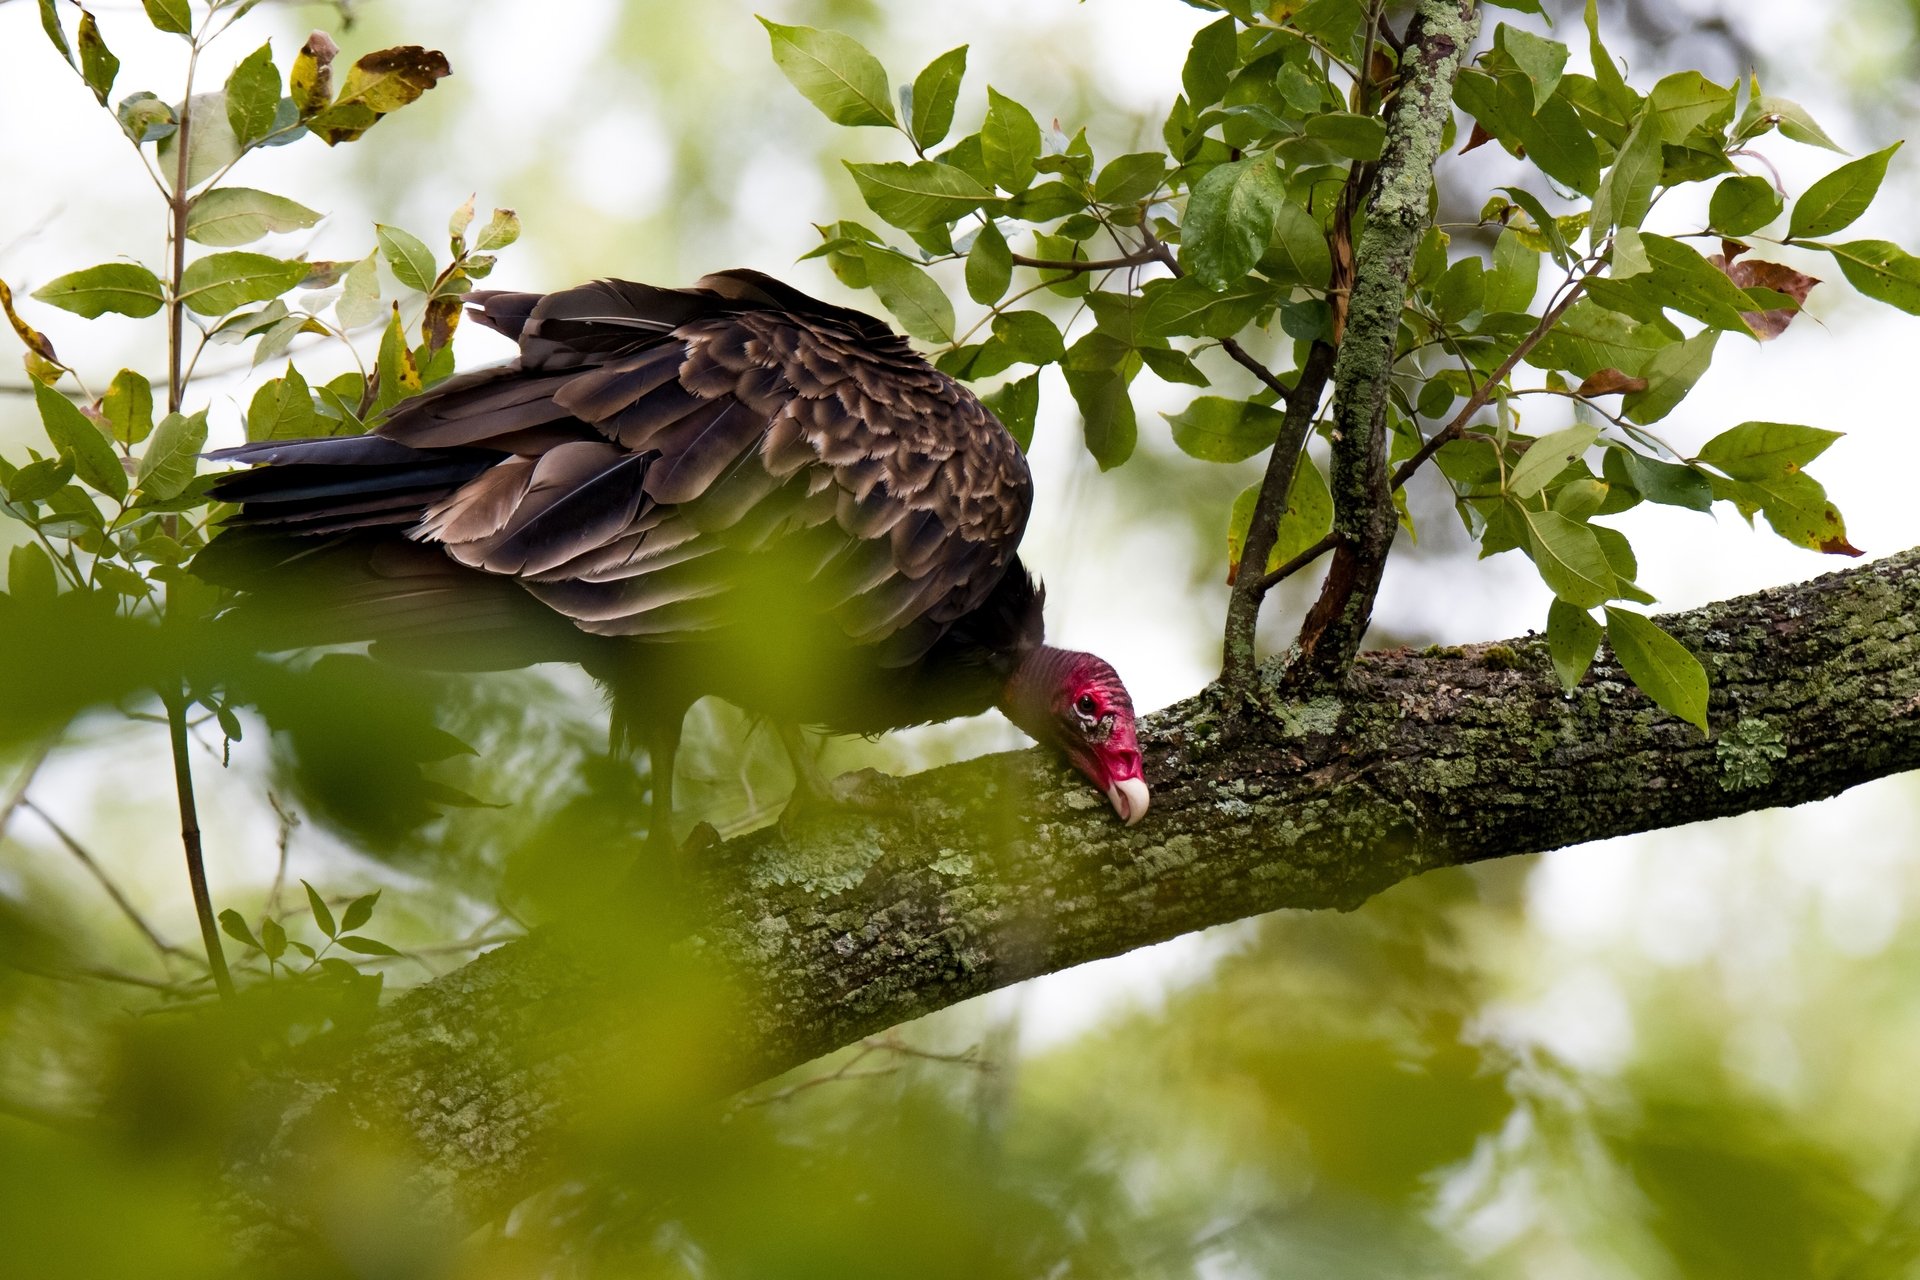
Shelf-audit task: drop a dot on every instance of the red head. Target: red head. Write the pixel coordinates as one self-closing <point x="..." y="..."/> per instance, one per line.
<point x="1075" y="703"/>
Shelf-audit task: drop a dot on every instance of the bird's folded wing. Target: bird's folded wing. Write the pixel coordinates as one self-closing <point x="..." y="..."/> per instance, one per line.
<point x="681" y="459"/>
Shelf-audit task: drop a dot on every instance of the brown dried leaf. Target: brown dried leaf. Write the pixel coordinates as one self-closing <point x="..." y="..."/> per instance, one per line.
<point x="1607" y="382"/>
<point x="442" y="318"/>
<point x="1775" y="276"/>
<point x="35" y="340"/>
<point x="310" y="83"/>
<point x="381" y="82"/>
<point x="1478" y="138"/>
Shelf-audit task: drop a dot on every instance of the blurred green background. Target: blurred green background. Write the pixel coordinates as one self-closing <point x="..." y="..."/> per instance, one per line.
<point x="1693" y="1053"/>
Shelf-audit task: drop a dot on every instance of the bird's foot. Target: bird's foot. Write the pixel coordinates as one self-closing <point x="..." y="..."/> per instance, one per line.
<point x="861" y="792"/>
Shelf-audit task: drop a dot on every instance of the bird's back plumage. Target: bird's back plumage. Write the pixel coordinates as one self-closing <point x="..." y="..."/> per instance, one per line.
<point x="730" y="474"/>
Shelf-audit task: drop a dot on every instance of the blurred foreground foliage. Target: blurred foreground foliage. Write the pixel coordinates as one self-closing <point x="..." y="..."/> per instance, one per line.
<point x="1333" y="1097"/>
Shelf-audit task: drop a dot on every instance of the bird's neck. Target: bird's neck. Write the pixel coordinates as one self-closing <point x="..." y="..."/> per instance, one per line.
<point x="1028" y="696"/>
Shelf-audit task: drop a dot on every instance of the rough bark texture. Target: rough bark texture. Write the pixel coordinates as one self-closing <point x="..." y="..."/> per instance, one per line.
<point x="1008" y="867"/>
<point x="1438" y="42"/>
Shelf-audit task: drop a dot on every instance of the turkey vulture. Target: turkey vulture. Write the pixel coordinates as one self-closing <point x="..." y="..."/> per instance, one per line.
<point x="731" y="489"/>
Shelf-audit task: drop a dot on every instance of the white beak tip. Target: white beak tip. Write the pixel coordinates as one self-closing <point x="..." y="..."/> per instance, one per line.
<point x="1129" y="798"/>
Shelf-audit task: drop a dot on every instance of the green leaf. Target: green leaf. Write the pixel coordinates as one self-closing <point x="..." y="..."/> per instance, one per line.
<point x="1686" y="101"/>
<point x="321" y="915"/>
<point x="410" y="261"/>
<point x="397" y="370"/>
<point x="1838" y="199"/>
<point x="1354" y="136"/>
<point x="989" y="266"/>
<point x="1568" y="556"/>
<point x="1883" y="271"/>
<point x="924" y="194"/>
<point x="1542" y="60"/>
<point x="1016" y="405"/>
<point x="40" y="480"/>
<point x="1297" y="253"/>
<point x="1659" y="665"/>
<point x="172" y="456"/>
<point x="1547" y="457"/>
<point x="282" y="410"/>
<point x="1797" y="508"/>
<point x="76" y="437"/>
<point x="31" y="578"/>
<point x="1009" y="141"/>
<point x="1210" y="63"/>
<point x="253" y="95"/>
<point x="170" y="15"/>
<point x="1030" y="337"/>
<point x="126" y="288"/>
<point x="1681" y="280"/>
<point x="1307" y="519"/>
<point x="1187" y="308"/>
<point x="916" y="301"/>
<point x="144" y="118"/>
<point x="1461" y="291"/>
<point x="365" y="946"/>
<point x="1626" y="192"/>
<point x="1098" y="368"/>
<point x="934" y="92"/>
<point x="98" y="66"/>
<point x="1606" y="73"/>
<point x="227" y="216"/>
<point x="1573" y="637"/>
<point x="50" y="23"/>
<point x="1230" y="219"/>
<point x="128" y="407"/>
<point x="359" y="302"/>
<point x="1759" y="450"/>
<point x="379" y="83"/>
<point x="1130" y="178"/>
<point x="1742" y="205"/>
<point x="235" y="927"/>
<point x="211" y="145"/>
<point x="502" y="229"/>
<point x="1552" y="136"/>
<point x="1515" y="277"/>
<point x="1658" y="481"/>
<point x="359" y="911"/>
<point x="1670" y="374"/>
<point x="1218" y="429"/>
<point x="219" y="282"/>
<point x="273" y="939"/>
<point x="834" y="72"/>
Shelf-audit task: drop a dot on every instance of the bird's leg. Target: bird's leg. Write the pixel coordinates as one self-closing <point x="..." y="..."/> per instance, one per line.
<point x="663" y="744"/>
<point x="815" y="792"/>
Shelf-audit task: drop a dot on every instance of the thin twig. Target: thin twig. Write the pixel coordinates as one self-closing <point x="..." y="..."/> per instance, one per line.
<point x="17" y="791"/>
<point x="1478" y="400"/>
<point x="92" y="864"/>
<point x="1079" y="266"/>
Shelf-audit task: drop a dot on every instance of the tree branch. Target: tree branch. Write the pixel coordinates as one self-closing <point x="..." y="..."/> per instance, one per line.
<point x="1437" y="43"/>
<point x="1004" y="868"/>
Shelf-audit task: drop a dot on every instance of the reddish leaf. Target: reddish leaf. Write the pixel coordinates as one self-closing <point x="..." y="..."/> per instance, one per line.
<point x="1607" y="382"/>
<point x="1778" y="277"/>
<point x="1478" y="138"/>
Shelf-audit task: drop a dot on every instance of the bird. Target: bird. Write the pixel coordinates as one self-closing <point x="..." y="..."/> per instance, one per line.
<point x="731" y="489"/>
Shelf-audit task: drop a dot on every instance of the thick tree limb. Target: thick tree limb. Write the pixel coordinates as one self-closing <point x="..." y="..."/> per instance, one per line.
<point x="1008" y="867"/>
<point x="1438" y="43"/>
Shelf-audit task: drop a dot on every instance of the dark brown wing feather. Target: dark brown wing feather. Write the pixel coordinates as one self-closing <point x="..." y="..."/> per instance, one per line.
<point x="660" y="444"/>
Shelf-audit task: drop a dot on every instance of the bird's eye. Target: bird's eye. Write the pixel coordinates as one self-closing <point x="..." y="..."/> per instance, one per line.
<point x="1085" y="705"/>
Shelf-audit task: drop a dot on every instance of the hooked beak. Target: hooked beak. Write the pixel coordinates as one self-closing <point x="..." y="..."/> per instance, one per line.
<point x="1129" y="799"/>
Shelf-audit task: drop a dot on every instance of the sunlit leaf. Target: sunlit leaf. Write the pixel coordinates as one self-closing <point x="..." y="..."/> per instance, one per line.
<point x="935" y="90"/>
<point x="172" y="456"/>
<point x="123" y="287"/>
<point x="1835" y="201"/>
<point x="77" y="438"/>
<point x="227" y="216"/>
<point x="834" y="72"/>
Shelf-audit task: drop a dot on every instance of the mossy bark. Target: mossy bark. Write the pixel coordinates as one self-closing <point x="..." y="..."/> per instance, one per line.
<point x="1438" y="42"/>
<point x="1008" y="867"/>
